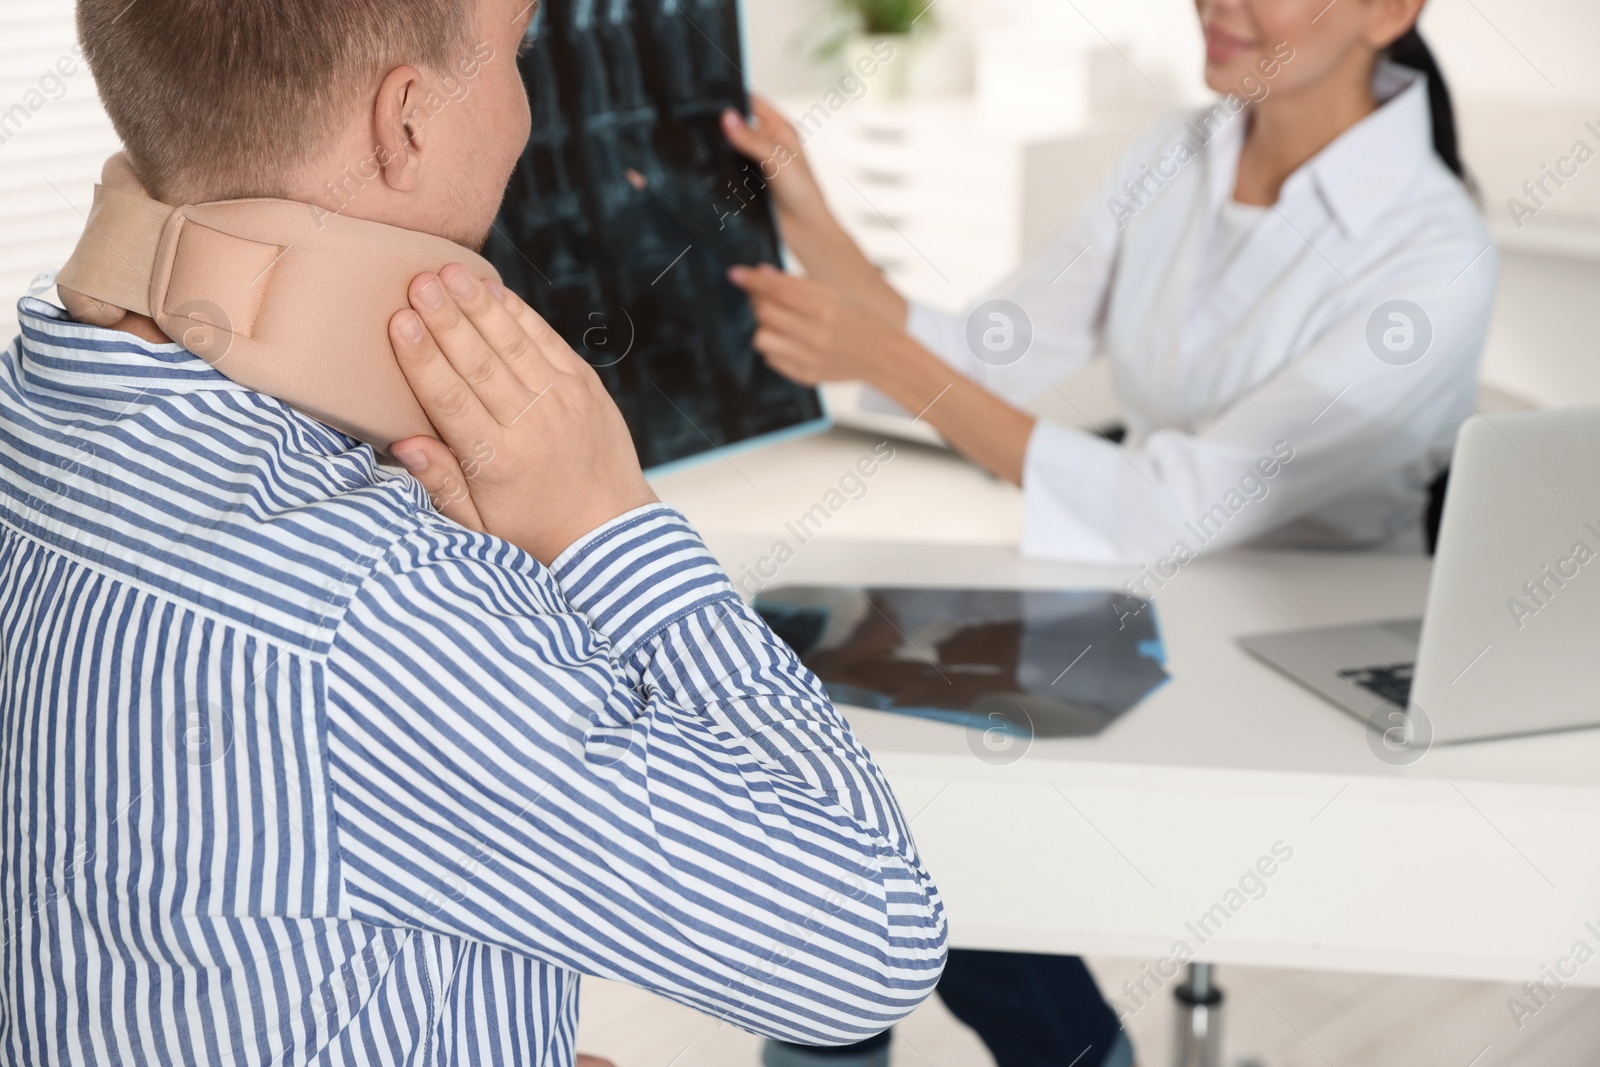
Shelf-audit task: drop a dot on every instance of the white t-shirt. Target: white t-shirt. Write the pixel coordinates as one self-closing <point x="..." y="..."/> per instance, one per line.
<point x="1235" y="223"/>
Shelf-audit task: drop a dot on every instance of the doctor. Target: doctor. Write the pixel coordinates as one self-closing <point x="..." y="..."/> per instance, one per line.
<point x="1292" y="286"/>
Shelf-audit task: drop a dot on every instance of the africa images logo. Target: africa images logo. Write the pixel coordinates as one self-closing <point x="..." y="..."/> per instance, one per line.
<point x="1399" y="332"/>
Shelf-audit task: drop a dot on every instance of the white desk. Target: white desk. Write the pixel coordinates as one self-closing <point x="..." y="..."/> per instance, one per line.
<point x="1480" y="861"/>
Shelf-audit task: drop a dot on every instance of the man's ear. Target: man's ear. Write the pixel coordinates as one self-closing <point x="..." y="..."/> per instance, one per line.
<point x="398" y="115"/>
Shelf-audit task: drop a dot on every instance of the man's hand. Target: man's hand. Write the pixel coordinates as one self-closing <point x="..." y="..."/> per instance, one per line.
<point x="534" y="450"/>
<point x="809" y="333"/>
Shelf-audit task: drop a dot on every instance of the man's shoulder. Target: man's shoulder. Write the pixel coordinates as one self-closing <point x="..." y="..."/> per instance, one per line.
<point x="269" y="542"/>
<point x="357" y="535"/>
<point x="429" y="574"/>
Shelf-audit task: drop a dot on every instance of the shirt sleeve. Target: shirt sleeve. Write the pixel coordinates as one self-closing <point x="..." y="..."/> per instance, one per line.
<point x="614" y="766"/>
<point x="1335" y="418"/>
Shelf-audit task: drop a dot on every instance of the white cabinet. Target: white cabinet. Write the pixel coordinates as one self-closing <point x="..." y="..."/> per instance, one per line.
<point x="946" y="202"/>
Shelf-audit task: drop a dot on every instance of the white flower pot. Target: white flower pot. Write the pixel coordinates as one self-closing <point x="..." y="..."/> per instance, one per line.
<point x="882" y="62"/>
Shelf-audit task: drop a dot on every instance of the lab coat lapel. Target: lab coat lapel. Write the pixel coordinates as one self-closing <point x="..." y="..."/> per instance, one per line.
<point x="1153" y="338"/>
<point x="1174" y="314"/>
<point x="1146" y="321"/>
<point x="1258" y="265"/>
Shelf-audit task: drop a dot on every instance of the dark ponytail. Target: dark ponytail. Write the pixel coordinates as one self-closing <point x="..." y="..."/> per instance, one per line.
<point x="1411" y="51"/>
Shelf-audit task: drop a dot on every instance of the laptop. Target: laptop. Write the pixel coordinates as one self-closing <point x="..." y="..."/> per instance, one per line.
<point x="1507" y="645"/>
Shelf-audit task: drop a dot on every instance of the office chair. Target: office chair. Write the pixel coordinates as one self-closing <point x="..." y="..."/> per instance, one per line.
<point x="1433" y="511"/>
<point x="1433" y="516"/>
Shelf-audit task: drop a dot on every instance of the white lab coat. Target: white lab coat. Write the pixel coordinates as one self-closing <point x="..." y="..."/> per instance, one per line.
<point x="1228" y="355"/>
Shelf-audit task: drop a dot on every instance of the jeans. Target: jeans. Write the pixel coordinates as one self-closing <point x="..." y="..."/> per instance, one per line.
<point x="1030" y="1010"/>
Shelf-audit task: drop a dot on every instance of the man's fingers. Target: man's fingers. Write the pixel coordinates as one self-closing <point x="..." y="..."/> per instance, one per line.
<point x="448" y="401"/>
<point x="485" y="307"/>
<point x="439" y="299"/>
<point x="556" y="352"/>
<point x="435" y="466"/>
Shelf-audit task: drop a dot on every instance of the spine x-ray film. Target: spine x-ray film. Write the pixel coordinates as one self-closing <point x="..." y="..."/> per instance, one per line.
<point x="635" y="278"/>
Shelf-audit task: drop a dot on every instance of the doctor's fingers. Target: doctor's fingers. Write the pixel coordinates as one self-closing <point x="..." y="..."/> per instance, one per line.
<point x="767" y="282"/>
<point x="749" y="141"/>
<point x="437" y="299"/>
<point x="760" y="140"/>
<point x="799" y="373"/>
<point x="784" y="321"/>
<point x="791" y="358"/>
<point x="435" y="467"/>
<point x="781" y="158"/>
<point x="772" y="120"/>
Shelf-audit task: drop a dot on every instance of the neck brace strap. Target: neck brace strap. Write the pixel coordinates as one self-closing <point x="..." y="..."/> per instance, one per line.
<point x="278" y="296"/>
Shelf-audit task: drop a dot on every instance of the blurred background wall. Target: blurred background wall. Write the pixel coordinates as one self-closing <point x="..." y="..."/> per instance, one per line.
<point x="1010" y="113"/>
<point x="1523" y="73"/>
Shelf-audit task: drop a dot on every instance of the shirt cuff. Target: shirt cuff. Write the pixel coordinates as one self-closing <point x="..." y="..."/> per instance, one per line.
<point x="639" y="573"/>
<point x="1069" y="495"/>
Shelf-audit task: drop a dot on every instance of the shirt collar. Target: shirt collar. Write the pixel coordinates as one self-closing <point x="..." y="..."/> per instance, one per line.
<point x="62" y="351"/>
<point x="72" y="356"/>
<point x="1369" y="165"/>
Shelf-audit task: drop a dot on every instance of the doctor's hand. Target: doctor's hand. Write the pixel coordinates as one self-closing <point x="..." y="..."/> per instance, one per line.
<point x="809" y="229"/>
<point x="809" y="333"/>
<point x="534" y="450"/>
<point x="772" y="145"/>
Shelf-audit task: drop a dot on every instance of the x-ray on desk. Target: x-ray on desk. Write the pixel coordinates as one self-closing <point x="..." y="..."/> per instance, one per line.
<point x="1478" y="861"/>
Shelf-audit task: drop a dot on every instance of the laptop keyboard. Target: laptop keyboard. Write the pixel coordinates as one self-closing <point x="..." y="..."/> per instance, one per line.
<point x="1392" y="683"/>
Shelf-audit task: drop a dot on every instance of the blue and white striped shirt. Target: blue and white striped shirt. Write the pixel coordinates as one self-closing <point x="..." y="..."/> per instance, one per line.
<point x="295" y="770"/>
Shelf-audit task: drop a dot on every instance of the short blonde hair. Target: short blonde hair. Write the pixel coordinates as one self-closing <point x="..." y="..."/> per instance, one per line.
<point x="225" y="95"/>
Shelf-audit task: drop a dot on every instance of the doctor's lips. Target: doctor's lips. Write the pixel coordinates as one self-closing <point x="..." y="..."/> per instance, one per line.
<point x="1225" y="47"/>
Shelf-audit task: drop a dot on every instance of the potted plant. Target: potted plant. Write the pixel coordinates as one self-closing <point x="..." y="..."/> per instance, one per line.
<point x="878" y="35"/>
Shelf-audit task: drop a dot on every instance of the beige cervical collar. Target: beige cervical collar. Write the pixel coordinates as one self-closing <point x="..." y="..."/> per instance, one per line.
<point x="279" y="296"/>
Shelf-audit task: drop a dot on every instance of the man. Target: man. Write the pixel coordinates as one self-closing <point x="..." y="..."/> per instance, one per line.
<point x="295" y="768"/>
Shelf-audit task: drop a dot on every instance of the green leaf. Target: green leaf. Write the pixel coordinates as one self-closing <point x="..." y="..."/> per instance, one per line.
<point x="886" y="17"/>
